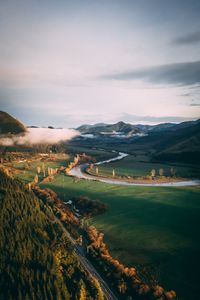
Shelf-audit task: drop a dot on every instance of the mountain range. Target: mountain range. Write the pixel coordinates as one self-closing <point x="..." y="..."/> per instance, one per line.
<point x="163" y="142"/>
<point x="166" y="142"/>
<point x="129" y="130"/>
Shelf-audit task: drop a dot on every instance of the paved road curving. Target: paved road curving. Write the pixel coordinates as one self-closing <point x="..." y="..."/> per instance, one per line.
<point x="79" y="172"/>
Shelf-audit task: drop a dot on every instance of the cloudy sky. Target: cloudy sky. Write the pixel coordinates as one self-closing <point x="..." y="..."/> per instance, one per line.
<point x="65" y="63"/>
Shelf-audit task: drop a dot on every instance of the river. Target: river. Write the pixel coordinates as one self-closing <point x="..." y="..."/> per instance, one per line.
<point x="79" y="172"/>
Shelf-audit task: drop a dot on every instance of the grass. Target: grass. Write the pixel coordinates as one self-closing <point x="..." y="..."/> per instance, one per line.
<point x="99" y="154"/>
<point x="29" y="174"/>
<point x="151" y="227"/>
<point x="156" y="228"/>
<point x="136" y="166"/>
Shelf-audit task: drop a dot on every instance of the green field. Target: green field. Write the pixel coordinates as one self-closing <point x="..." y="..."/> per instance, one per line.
<point x="29" y="173"/>
<point x="140" y="166"/>
<point x="152" y="227"/>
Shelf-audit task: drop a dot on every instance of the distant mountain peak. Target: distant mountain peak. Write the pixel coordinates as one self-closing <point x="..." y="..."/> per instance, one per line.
<point x="119" y="128"/>
<point x="121" y="123"/>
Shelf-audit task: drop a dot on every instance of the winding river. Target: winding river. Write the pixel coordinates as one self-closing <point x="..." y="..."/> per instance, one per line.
<point x="79" y="172"/>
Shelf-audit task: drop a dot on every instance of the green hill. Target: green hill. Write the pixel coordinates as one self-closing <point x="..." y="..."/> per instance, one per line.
<point x="181" y="145"/>
<point x="8" y="124"/>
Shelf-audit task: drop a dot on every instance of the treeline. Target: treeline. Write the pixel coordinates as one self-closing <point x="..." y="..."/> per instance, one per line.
<point x="83" y="158"/>
<point x="60" y="210"/>
<point x="36" y="258"/>
<point x="126" y="281"/>
<point x="88" y="207"/>
<point x="35" y="148"/>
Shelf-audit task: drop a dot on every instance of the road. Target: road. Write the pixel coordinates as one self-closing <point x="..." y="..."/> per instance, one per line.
<point x="79" y="172"/>
<point x="86" y="264"/>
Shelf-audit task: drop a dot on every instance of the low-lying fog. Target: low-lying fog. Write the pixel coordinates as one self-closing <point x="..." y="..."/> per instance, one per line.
<point x="40" y="136"/>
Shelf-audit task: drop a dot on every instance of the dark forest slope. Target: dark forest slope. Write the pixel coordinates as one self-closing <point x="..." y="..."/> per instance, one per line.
<point x="36" y="260"/>
<point x="8" y="124"/>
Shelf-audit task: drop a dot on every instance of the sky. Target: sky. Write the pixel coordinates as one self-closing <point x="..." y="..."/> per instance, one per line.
<point x="66" y="63"/>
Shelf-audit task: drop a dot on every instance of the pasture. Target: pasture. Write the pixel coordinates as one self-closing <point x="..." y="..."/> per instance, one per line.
<point x="140" y="166"/>
<point x="27" y="170"/>
<point x="154" y="228"/>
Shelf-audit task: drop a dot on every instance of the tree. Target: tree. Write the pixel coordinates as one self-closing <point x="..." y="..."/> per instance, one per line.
<point x="38" y="169"/>
<point x="43" y="169"/>
<point x="170" y="295"/>
<point x="153" y="173"/>
<point x="29" y="186"/>
<point x="97" y="171"/>
<point x="36" y="179"/>
<point x="40" y="265"/>
<point x="49" y="171"/>
<point x="173" y="171"/>
<point x="161" y="171"/>
<point x="100" y="295"/>
<point x="122" y="286"/>
<point x="158" y="291"/>
<point x="82" y="292"/>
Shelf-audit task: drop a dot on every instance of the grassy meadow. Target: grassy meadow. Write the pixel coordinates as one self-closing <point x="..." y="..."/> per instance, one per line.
<point x="140" y="166"/>
<point x="154" y="228"/>
<point x="27" y="173"/>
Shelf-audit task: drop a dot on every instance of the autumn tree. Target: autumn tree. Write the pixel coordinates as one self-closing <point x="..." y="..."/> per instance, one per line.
<point x="43" y="169"/>
<point x="82" y="292"/>
<point x="100" y="295"/>
<point x="170" y="295"/>
<point x="38" y="169"/>
<point x="36" y="179"/>
<point x="161" y="171"/>
<point x="97" y="171"/>
<point x="153" y="173"/>
<point x="122" y="286"/>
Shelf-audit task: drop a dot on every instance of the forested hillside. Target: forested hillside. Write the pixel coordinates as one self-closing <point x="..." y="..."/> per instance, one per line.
<point x="10" y="124"/>
<point x="36" y="259"/>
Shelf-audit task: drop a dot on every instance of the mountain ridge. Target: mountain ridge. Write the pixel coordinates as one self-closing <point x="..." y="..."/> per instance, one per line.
<point x="124" y="127"/>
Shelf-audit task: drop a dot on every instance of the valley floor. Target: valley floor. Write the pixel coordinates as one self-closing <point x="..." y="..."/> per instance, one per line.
<point x="154" y="228"/>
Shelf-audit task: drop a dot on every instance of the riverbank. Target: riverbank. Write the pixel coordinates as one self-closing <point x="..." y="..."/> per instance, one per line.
<point x="81" y="171"/>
